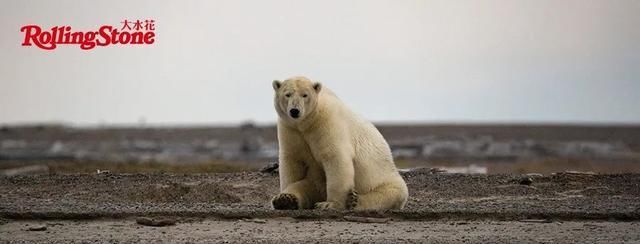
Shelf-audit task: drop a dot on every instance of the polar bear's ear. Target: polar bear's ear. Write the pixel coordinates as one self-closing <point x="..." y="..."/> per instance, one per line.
<point x="317" y="86"/>
<point x="276" y="84"/>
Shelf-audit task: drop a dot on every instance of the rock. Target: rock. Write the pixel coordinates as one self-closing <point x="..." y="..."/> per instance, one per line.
<point x="38" y="228"/>
<point x="155" y="221"/>
<point x="259" y="221"/>
<point x="270" y="168"/>
<point x="526" y="181"/>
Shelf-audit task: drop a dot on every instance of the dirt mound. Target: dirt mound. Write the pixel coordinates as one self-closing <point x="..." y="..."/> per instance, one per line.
<point x="247" y="195"/>
<point x="176" y="192"/>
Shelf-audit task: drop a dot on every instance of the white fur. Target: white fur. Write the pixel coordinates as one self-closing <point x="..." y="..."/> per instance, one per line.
<point x="329" y="151"/>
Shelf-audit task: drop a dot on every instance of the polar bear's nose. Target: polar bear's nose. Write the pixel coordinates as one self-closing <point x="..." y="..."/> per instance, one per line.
<point x="295" y="113"/>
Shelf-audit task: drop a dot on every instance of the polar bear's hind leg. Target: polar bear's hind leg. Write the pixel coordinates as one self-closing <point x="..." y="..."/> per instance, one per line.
<point x="386" y="196"/>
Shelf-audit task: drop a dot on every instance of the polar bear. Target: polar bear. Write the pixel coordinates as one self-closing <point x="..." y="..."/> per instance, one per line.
<point x="331" y="158"/>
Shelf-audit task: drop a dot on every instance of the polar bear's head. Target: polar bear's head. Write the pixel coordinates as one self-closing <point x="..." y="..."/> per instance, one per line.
<point x="296" y="97"/>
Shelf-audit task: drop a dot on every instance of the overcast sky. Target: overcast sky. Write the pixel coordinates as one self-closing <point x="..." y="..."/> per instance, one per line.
<point x="392" y="61"/>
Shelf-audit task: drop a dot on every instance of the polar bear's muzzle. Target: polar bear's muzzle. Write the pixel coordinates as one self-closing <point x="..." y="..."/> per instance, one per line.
<point x="295" y="113"/>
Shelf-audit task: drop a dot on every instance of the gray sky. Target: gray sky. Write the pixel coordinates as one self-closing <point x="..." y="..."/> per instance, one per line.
<point x="391" y="61"/>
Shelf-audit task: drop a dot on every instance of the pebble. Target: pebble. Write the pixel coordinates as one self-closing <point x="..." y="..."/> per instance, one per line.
<point x="259" y="221"/>
<point x="38" y="228"/>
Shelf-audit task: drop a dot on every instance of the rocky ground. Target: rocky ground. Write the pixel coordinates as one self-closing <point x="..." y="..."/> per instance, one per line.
<point x="564" y="207"/>
<point x="287" y="230"/>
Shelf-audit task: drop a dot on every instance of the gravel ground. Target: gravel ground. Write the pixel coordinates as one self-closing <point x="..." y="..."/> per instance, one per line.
<point x="288" y="230"/>
<point x="210" y="207"/>
<point x="247" y="195"/>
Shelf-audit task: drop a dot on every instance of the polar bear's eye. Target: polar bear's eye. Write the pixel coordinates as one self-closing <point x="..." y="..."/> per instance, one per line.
<point x="287" y="95"/>
<point x="305" y="95"/>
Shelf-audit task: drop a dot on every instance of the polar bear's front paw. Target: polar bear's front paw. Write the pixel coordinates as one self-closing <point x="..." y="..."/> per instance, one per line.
<point x="352" y="200"/>
<point x="285" y="201"/>
<point x="326" y="205"/>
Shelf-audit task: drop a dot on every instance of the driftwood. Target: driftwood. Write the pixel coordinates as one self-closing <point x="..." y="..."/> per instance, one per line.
<point x="31" y="169"/>
<point x="155" y="222"/>
<point x="366" y="219"/>
<point x="540" y="221"/>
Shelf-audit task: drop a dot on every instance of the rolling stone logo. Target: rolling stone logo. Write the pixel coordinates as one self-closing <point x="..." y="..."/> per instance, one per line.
<point x="130" y="33"/>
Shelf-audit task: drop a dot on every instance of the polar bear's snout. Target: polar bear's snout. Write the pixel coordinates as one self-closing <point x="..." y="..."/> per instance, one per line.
<point x="295" y="113"/>
<point x="296" y="107"/>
